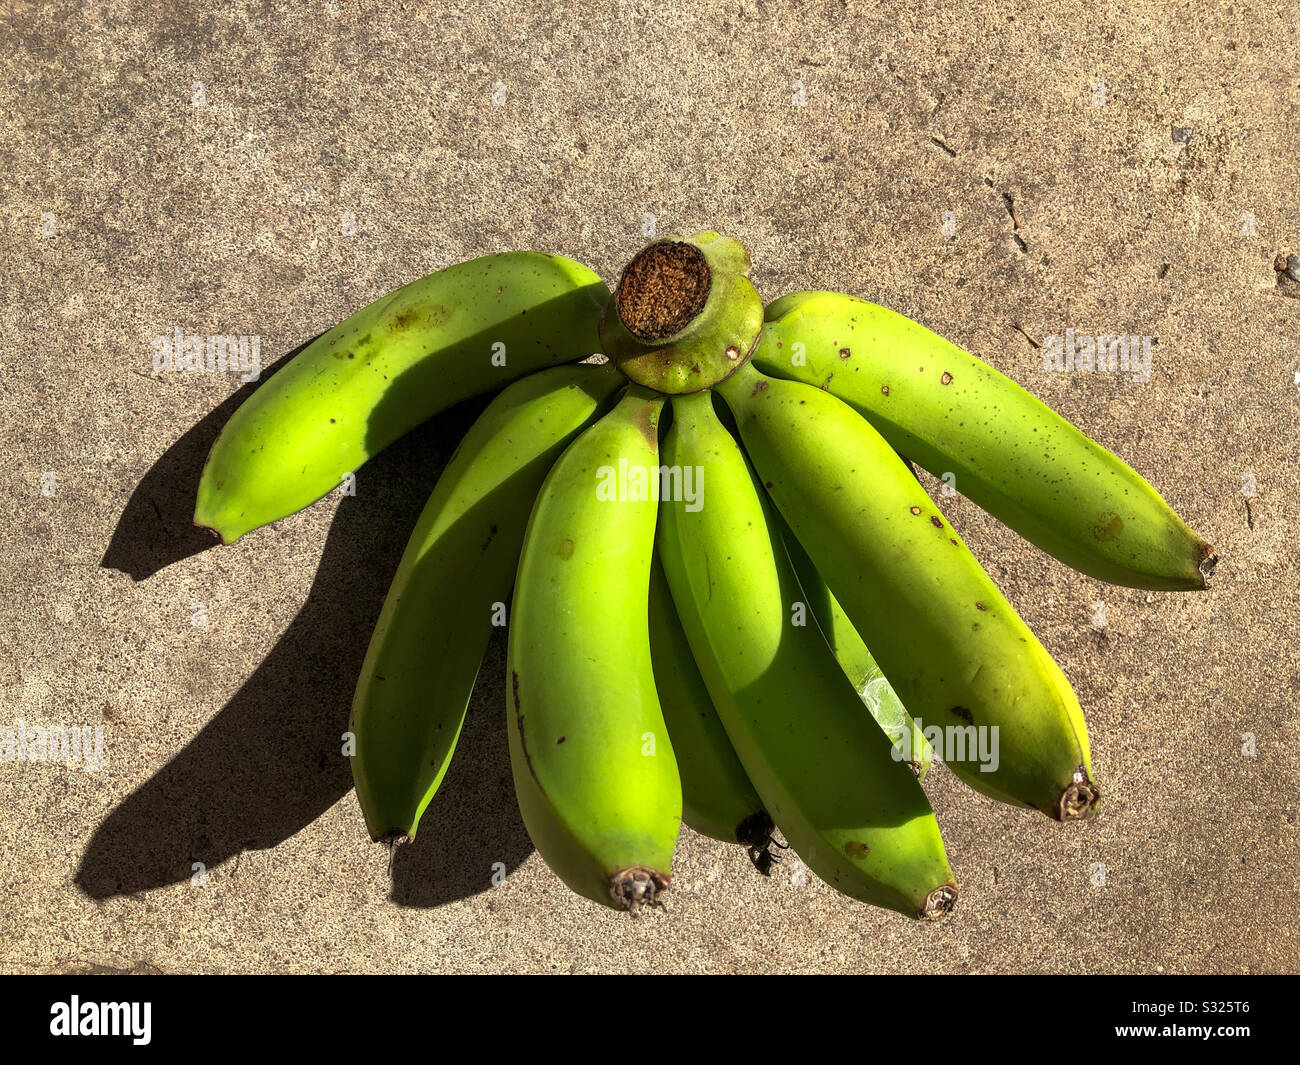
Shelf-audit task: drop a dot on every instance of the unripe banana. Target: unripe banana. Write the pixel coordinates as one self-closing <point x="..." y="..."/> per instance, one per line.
<point x="951" y="645"/>
<point x="1009" y="452"/>
<point x="387" y="368"/>
<point x="717" y="797"/>
<point x="859" y="666"/>
<point x="592" y="760"/>
<point x="824" y="769"/>
<point x="437" y="619"/>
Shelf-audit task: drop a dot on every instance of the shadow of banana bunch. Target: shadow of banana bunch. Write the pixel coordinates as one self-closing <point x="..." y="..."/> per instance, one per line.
<point x="269" y="762"/>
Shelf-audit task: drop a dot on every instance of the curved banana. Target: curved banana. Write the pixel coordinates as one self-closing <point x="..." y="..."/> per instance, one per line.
<point x="437" y="619"/>
<point x="592" y="760"/>
<point x="855" y="815"/>
<point x="717" y="797"/>
<point x="1009" y="452"/>
<point x="376" y="375"/>
<point x="951" y="645"/>
<point x="910" y="744"/>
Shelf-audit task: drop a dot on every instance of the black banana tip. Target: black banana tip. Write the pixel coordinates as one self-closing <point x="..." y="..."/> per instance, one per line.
<point x="1209" y="558"/>
<point x="1080" y="799"/>
<point x="636" y="887"/>
<point x="939" y="903"/>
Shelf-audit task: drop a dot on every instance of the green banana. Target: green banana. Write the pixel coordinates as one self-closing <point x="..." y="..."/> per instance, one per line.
<point x="593" y="764"/>
<point x="436" y="621"/>
<point x="951" y="645"/>
<point x="1009" y="452"/>
<point x="388" y="367"/>
<point x="859" y="666"/>
<point x="717" y="797"/>
<point x="855" y="815"/>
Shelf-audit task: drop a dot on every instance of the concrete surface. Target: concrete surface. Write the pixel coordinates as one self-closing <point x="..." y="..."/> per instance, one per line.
<point x="191" y="168"/>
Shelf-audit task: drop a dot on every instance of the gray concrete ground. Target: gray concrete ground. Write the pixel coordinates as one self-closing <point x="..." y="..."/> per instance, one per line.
<point x="999" y="172"/>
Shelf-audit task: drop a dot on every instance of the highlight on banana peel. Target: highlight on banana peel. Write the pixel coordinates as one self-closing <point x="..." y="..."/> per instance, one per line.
<point x="731" y="601"/>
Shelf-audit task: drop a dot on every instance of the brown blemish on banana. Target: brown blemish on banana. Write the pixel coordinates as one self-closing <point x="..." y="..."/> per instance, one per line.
<point x="845" y="353"/>
<point x="647" y="421"/>
<point x="963" y="713"/>
<point x="759" y="386"/>
<point x="733" y="353"/>
<point x="1108" y="527"/>
<point x="946" y="379"/>
<point x="636" y="887"/>
<point x="884" y="390"/>
<point x="519" y="723"/>
<point x="980" y="606"/>
<point x="856" y="850"/>
<point x="934" y="520"/>
<point x="915" y="510"/>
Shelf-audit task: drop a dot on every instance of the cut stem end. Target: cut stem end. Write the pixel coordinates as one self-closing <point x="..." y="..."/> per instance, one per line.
<point x="663" y="290"/>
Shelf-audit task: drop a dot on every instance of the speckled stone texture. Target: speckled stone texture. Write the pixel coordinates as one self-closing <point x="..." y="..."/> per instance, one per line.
<point x="1000" y="172"/>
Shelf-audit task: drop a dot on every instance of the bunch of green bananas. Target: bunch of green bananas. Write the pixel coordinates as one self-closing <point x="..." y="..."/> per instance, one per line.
<point x="744" y="631"/>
